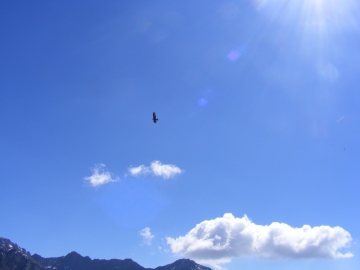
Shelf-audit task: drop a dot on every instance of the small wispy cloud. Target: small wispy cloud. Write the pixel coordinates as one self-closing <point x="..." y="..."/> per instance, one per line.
<point x="156" y="168"/>
<point x="136" y="171"/>
<point x="218" y="241"/>
<point x="100" y="176"/>
<point x="147" y="236"/>
<point x="340" y="119"/>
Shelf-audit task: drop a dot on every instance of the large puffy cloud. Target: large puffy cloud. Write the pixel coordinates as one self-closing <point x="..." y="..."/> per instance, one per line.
<point x="100" y="176"/>
<point x="157" y="169"/>
<point x="218" y="241"/>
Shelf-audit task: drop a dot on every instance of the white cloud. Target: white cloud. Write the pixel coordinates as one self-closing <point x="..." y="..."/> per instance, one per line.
<point x="146" y="235"/>
<point x="139" y="170"/>
<point x="157" y="169"/>
<point x="219" y="240"/>
<point x="166" y="171"/>
<point x="100" y="176"/>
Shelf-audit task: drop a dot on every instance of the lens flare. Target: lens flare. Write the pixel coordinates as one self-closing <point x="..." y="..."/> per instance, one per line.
<point x="202" y="102"/>
<point x="328" y="72"/>
<point x="233" y="55"/>
<point x="259" y="4"/>
<point x="131" y="204"/>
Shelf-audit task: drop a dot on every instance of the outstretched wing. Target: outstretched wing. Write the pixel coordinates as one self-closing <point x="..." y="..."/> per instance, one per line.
<point x="154" y="117"/>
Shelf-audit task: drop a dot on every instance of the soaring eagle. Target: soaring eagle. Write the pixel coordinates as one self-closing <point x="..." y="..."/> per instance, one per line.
<point x="154" y="117"/>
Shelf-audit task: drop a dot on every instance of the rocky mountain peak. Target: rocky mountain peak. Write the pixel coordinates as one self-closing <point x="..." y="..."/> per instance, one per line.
<point x="12" y="257"/>
<point x="7" y="245"/>
<point x="183" y="264"/>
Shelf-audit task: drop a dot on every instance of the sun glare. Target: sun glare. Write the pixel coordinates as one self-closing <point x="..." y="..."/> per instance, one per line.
<point x="312" y="20"/>
<point x="340" y="12"/>
<point x="318" y="27"/>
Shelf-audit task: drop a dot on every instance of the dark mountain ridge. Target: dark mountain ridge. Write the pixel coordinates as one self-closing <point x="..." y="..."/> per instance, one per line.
<point x="75" y="261"/>
<point x="12" y="257"/>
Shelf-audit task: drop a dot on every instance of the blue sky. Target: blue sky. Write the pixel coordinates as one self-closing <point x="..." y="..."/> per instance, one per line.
<point x="253" y="164"/>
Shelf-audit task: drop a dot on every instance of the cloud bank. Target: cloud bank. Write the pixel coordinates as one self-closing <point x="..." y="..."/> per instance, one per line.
<point x="100" y="176"/>
<point x="147" y="236"/>
<point x="156" y="168"/>
<point x="219" y="240"/>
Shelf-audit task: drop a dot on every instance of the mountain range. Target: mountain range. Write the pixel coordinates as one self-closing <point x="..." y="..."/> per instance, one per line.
<point x="13" y="257"/>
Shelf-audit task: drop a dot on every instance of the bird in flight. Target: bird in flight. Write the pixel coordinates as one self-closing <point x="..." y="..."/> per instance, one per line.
<point x="154" y="117"/>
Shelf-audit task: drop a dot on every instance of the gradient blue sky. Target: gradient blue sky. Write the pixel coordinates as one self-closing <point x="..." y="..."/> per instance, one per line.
<point x="258" y="104"/>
